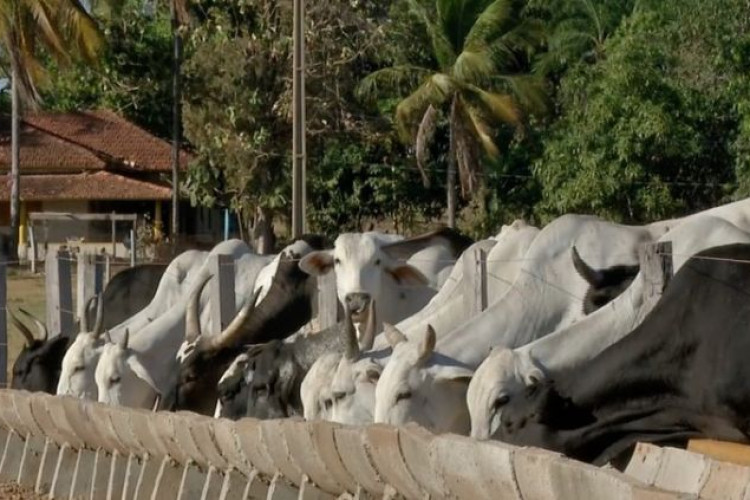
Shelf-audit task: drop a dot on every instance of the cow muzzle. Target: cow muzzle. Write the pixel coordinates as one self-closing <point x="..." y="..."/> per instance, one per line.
<point x="357" y="303"/>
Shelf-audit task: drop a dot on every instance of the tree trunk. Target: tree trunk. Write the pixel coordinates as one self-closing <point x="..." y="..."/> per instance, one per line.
<point x="176" y="121"/>
<point x="15" y="173"/>
<point x="263" y="237"/>
<point x="450" y="183"/>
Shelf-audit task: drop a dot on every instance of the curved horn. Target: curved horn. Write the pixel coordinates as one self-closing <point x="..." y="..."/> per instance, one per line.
<point x="368" y="336"/>
<point x="85" y="315"/>
<point x="223" y="339"/>
<point x="592" y="276"/>
<point x="21" y="328"/>
<point x="99" y="321"/>
<point x="43" y="332"/>
<point x="350" y="337"/>
<point x="192" y="314"/>
<point x="125" y="340"/>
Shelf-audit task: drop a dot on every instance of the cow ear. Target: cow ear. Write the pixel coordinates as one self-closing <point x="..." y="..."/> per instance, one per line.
<point x="408" y="275"/>
<point x="317" y="263"/>
<point x="393" y="335"/>
<point x="454" y="373"/>
<point x="141" y="372"/>
<point x="426" y="344"/>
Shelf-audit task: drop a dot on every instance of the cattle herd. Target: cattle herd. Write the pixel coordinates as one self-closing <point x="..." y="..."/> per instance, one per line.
<point x="567" y="356"/>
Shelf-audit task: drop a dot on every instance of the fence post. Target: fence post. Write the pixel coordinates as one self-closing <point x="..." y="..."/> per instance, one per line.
<point x="328" y="302"/>
<point x="3" y="322"/>
<point x="107" y="268"/>
<point x="657" y="269"/>
<point x="132" y="248"/>
<point x="59" y="293"/>
<point x="34" y="254"/>
<point x="222" y="299"/>
<point x="90" y="280"/>
<point x="475" y="277"/>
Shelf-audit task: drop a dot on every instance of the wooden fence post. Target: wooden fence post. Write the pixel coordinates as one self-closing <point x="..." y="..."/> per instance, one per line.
<point x="474" y="261"/>
<point x="90" y="280"/>
<point x="3" y="322"/>
<point x="222" y="301"/>
<point x="59" y="293"/>
<point x="328" y="302"/>
<point x="657" y="269"/>
<point x="107" y="267"/>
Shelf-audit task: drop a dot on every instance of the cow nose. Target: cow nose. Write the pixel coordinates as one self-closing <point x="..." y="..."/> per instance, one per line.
<point x="357" y="302"/>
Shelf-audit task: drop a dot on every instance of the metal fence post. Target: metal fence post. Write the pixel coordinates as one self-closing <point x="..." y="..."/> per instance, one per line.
<point x="59" y="293"/>
<point x="328" y="302"/>
<point x="222" y="301"/>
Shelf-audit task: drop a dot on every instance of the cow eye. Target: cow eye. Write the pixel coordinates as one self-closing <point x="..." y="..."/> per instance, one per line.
<point x="377" y="262"/>
<point x="260" y="390"/>
<point x="78" y="369"/>
<point x="114" y="380"/>
<point x="337" y="261"/>
<point x="328" y="403"/>
<point x="500" y="402"/>
<point x="403" y="395"/>
<point x="338" y="395"/>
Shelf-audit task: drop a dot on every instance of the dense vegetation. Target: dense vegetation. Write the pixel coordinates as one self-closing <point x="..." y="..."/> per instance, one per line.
<point x="633" y="110"/>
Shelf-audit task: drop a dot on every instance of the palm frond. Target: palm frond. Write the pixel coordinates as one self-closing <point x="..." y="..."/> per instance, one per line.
<point x="435" y="90"/>
<point x="81" y="30"/>
<point x="396" y="80"/>
<point x="502" y="108"/>
<point x="44" y="25"/>
<point x="480" y="129"/>
<point x="474" y="67"/>
<point x="442" y="49"/>
<point x="424" y="136"/>
<point x="495" y="20"/>
<point x="530" y="91"/>
<point x="464" y="148"/>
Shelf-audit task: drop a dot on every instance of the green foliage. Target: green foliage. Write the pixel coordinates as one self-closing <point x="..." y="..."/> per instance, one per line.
<point x="133" y="77"/>
<point x="648" y="132"/>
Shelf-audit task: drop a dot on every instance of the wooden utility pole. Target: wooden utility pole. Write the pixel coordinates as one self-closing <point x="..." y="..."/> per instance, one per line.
<point x="298" y="118"/>
<point x="176" y="120"/>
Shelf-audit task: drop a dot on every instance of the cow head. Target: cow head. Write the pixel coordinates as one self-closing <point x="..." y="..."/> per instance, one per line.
<point x="232" y="388"/>
<point x="316" y="391"/>
<point x="604" y="284"/>
<point x="418" y="385"/>
<point x="121" y="378"/>
<point x="502" y="376"/>
<point x="365" y="265"/>
<point x="201" y="355"/>
<point x="37" y="367"/>
<point x="79" y="363"/>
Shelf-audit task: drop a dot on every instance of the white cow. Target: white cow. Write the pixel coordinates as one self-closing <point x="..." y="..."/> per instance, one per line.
<point x="546" y="295"/>
<point x="374" y="266"/>
<point x="505" y="373"/>
<point x="355" y="379"/>
<point x="78" y="366"/>
<point x="156" y="350"/>
<point x="315" y="392"/>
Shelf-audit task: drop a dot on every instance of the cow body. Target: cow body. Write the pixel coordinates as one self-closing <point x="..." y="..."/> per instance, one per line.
<point x="682" y="373"/>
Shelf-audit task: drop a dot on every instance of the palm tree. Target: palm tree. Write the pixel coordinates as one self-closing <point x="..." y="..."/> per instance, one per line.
<point x="66" y="30"/>
<point x="478" y="47"/>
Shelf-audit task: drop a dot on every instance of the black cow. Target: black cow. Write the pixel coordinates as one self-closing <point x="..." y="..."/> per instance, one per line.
<point x="287" y="307"/>
<point x="278" y="369"/>
<point x="683" y="373"/>
<point x="604" y="284"/>
<point x="37" y="367"/>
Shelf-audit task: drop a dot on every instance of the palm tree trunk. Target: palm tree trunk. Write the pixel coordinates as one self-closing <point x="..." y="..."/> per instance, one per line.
<point x="15" y="187"/>
<point x="176" y="121"/>
<point x="450" y="182"/>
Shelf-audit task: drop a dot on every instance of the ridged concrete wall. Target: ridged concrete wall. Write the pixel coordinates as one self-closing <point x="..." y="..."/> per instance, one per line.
<point x="71" y="448"/>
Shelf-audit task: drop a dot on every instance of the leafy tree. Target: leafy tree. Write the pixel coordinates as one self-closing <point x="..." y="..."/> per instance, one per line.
<point x="478" y="81"/>
<point x="656" y="127"/>
<point x="65" y="29"/>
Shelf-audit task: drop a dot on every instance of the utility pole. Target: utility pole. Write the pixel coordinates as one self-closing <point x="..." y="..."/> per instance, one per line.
<point x="176" y="120"/>
<point x="298" y="119"/>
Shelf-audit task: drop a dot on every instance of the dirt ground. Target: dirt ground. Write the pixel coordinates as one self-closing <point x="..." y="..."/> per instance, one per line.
<point x="13" y="491"/>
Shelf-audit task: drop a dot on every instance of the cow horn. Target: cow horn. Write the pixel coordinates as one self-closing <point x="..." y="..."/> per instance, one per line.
<point x="43" y="332"/>
<point x="230" y="331"/>
<point x="350" y="337"/>
<point x="368" y="336"/>
<point x="592" y="276"/>
<point x="22" y="328"/>
<point x="125" y="340"/>
<point x="99" y="321"/>
<point x="192" y="315"/>
<point x="85" y="316"/>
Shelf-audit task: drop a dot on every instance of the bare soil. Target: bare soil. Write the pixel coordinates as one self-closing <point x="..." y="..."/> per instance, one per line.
<point x="13" y="491"/>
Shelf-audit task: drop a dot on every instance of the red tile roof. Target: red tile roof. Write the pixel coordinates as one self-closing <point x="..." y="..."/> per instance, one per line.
<point x="85" y="140"/>
<point x="86" y="186"/>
